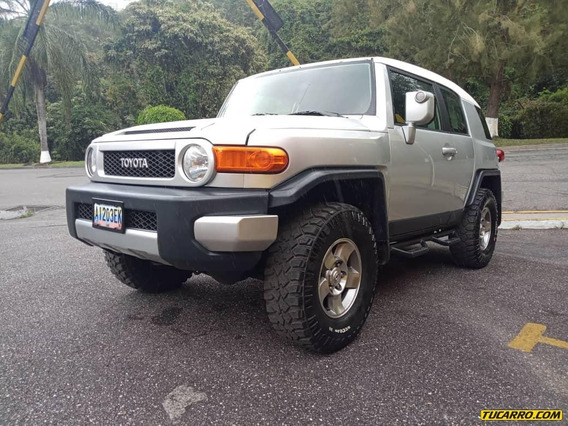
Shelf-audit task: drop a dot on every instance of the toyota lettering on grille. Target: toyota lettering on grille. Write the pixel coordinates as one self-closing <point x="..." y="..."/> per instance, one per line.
<point x="134" y="163"/>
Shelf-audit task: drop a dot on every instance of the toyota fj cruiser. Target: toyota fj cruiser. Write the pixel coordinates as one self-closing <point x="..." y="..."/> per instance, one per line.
<point x="310" y="178"/>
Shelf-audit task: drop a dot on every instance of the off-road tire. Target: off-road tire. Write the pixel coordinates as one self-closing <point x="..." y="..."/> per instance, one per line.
<point x="293" y="270"/>
<point x="145" y="275"/>
<point x="468" y="252"/>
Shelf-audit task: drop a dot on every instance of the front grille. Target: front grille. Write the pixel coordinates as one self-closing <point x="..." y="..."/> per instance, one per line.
<point x="84" y="211"/>
<point x="133" y="219"/>
<point x="161" y="164"/>
<point x="138" y="219"/>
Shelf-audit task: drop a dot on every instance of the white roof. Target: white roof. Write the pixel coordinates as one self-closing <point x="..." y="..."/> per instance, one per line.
<point x="403" y="66"/>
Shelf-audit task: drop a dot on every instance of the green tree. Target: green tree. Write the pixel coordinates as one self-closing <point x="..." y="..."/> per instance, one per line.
<point x="494" y="41"/>
<point x="236" y="11"/>
<point x="182" y="54"/>
<point x="70" y="136"/>
<point x="310" y="33"/>
<point x="58" y="53"/>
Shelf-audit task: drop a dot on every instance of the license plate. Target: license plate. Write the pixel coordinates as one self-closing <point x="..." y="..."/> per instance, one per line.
<point x="108" y="215"/>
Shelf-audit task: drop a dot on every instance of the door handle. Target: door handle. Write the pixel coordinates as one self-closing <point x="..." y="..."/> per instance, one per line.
<point x="448" y="151"/>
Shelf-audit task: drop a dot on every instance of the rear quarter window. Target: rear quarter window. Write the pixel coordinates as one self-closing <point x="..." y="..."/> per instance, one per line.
<point x="458" y="124"/>
<point x="483" y="123"/>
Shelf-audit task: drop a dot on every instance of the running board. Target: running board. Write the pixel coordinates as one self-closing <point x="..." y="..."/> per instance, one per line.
<point x="446" y="243"/>
<point x="411" y="253"/>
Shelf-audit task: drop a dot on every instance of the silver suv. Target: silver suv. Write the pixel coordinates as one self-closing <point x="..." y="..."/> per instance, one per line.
<point x="309" y="178"/>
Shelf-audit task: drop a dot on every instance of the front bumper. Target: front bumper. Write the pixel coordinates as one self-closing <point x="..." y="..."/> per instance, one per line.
<point x="207" y="229"/>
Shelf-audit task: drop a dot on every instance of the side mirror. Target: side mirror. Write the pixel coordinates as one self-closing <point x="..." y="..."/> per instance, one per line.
<point x="420" y="109"/>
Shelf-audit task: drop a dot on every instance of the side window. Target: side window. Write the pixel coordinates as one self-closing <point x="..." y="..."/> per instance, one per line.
<point x="400" y="84"/>
<point x="483" y="123"/>
<point x="455" y="111"/>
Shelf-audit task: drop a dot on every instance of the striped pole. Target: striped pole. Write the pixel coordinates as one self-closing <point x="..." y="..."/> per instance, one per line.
<point x="273" y="32"/>
<point x="30" y="33"/>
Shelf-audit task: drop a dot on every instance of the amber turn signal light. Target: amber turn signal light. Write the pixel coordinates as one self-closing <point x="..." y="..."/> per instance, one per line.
<point x="238" y="159"/>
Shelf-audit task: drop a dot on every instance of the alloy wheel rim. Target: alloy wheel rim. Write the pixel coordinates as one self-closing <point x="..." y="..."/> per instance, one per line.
<point x="485" y="228"/>
<point x="339" y="278"/>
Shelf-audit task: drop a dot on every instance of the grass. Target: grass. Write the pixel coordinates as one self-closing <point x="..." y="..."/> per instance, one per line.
<point x="499" y="142"/>
<point x="27" y="213"/>
<point x="52" y="165"/>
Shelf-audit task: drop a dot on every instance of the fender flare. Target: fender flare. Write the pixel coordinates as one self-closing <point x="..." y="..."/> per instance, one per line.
<point x="477" y="183"/>
<point x="299" y="188"/>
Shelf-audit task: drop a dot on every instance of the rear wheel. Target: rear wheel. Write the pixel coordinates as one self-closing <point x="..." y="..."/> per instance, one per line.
<point x="320" y="277"/>
<point x="145" y="275"/>
<point x="477" y="232"/>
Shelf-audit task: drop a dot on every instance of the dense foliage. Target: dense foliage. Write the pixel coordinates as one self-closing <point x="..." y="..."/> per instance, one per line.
<point x="19" y="147"/>
<point x="98" y="70"/>
<point x="70" y="137"/>
<point x="544" y="117"/>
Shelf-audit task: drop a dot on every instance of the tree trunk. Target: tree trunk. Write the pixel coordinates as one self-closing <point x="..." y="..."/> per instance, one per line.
<point x="40" y="81"/>
<point x="497" y="84"/>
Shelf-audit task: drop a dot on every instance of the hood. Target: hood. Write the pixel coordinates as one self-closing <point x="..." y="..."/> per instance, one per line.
<point x="230" y="131"/>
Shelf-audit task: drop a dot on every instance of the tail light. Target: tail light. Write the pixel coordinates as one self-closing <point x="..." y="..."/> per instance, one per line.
<point x="500" y="154"/>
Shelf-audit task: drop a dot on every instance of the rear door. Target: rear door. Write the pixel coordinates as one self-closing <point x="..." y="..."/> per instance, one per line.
<point x="459" y="167"/>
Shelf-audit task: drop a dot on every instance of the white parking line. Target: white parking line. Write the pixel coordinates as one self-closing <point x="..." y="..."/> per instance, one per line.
<point x="179" y="399"/>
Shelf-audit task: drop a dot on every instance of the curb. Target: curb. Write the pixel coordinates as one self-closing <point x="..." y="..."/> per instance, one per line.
<point x="535" y="219"/>
<point x="542" y="147"/>
<point x="40" y="168"/>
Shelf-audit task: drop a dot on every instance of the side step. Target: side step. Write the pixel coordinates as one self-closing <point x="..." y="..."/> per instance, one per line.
<point x="410" y="252"/>
<point x="446" y="243"/>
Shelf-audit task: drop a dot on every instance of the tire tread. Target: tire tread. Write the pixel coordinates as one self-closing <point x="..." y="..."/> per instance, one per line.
<point x="284" y="274"/>
<point x="467" y="252"/>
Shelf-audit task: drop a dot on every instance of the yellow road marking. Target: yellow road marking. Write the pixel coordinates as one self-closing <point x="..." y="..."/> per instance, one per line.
<point x="292" y="58"/>
<point x="534" y="211"/>
<point x="19" y="70"/>
<point x="42" y="12"/>
<point x="255" y="9"/>
<point x="530" y="335"/>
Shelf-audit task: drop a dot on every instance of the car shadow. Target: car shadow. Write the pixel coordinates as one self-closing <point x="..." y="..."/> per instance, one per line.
<point x="204" y="310"/>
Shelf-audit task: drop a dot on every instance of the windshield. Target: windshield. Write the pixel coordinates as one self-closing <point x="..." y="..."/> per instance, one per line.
<point x="345" y="89"/>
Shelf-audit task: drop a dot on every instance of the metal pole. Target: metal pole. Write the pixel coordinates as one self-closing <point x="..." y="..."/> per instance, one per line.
<point x="274" y="34"/>
<point x="32" y="28"/>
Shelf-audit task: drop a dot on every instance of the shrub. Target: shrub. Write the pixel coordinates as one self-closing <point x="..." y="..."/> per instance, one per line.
<point x="505" y="126"/>
<point x="545" y="117"/>
<point x="86" y="123"/>
<point x="159" y="114"/>
<point x="20" y="147"/>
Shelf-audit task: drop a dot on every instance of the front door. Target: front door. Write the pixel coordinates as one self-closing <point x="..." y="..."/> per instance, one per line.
<point x="426" y="178"/>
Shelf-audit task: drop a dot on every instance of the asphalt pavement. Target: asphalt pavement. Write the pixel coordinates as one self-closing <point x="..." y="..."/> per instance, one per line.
<point x="38" y="187"/>
<point x="78" y="347"/>
<point x="535" y="177"/>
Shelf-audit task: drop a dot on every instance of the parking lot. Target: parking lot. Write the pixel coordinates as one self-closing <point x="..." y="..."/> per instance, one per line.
<point x="77" y="347"/>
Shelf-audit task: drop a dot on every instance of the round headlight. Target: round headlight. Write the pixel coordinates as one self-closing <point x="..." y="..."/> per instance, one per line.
<point x="91" y="162"/>
<point x="197" y="164"/>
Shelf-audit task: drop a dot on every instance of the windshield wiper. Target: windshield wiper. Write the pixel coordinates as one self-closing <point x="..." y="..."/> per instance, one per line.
<point x="319" y="113"/>
<point x="264" y="113"/>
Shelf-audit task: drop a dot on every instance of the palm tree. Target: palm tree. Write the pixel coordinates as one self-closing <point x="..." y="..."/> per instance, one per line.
<point x="58" y="54"/>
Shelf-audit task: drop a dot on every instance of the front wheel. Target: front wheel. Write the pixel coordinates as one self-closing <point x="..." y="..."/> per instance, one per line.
<point x="320" y="277"/>
<point x="477" y="232"/>
<point x="143" y="274"/>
